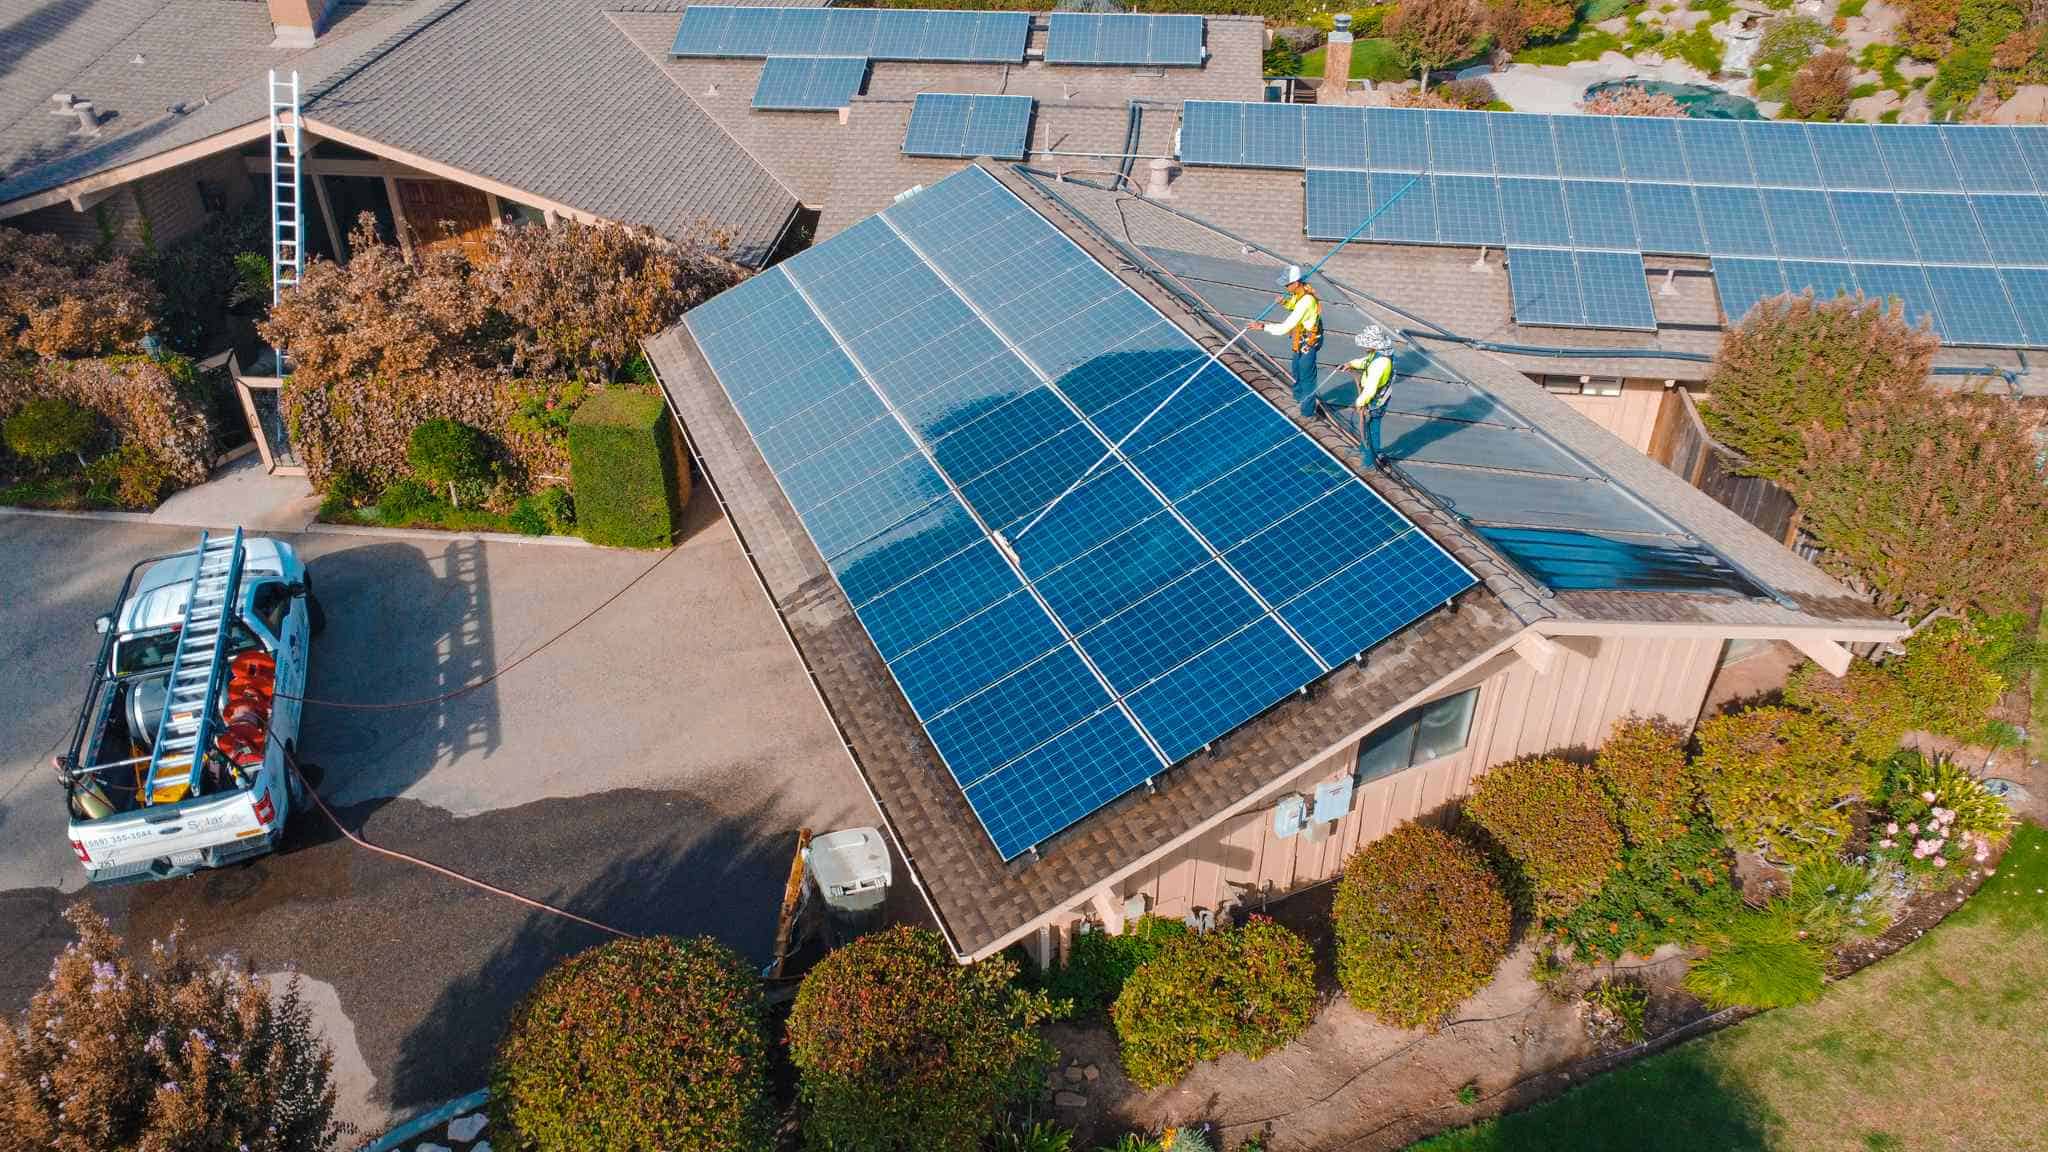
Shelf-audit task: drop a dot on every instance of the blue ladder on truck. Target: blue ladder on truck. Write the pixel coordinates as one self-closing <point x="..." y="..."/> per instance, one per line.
<point x="191" y="694"/>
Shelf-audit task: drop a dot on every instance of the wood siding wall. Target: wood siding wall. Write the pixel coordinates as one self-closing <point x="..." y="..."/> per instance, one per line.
<point x="1681" y="443"/>
<point x="1633" y="415"/>
<point x="1593" y="683"/>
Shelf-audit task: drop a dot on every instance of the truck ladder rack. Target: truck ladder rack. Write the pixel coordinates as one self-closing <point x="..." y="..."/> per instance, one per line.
<point x="192" y="691"/>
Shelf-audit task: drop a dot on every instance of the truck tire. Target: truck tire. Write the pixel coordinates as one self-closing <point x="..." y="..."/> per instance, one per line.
<point x="316" y="616"/>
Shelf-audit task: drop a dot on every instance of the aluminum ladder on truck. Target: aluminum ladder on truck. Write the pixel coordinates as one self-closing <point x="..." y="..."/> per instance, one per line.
<point x="285" y="218"/>
<point x="192" y="691"/>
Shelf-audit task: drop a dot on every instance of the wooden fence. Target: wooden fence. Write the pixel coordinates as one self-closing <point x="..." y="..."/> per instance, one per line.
<point x="1681" y="443"/>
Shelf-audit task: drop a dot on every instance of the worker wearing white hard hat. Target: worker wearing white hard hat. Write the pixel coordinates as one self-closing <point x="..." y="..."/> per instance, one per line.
<point x="1375" y="372"/>
<point x="1304" y="326"/>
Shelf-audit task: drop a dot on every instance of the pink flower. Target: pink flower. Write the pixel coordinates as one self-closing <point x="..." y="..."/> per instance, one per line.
<point x="1892" y="829"/>
<point x="1941" y="861"/>
<point x="1885" y="843"/>
<point x="1913" y="827"/>
<point x="1927" y="796"/>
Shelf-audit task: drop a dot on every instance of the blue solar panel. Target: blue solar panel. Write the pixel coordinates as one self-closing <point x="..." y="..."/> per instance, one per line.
<point x="1337" y="202"/>
<point x="1973" y="306"/>
<point x="2028" y="290"/>
<point x="1944" y="229"/>
<point x="1532" y="211"/>
<point x="1335" y="136"/>
<point x="1119" y="634"/>
<point x="1906" y="283"/>
<point x="1410" y="216"/>
<point x="1212" y="132"/>
<point x="1545" y="287"/>
<point x="1458" y="144"/>
<point x="1127" y="39"/>
<point x="1566" y="560"/>
<point x="1397" y="139"/>
<point x="1825" y="279"/>
<point x="1741" y="283"/>
<point x="1734" y="221"/>
<point x="1467" y="210"/>
<point x="1714" y="152"/>
<point x="1586" y="148"/>
<point x="1803" y="224"/>
<point x="1599" y="215"/>
<point x="2033" y="145"/>
<point x="1848" y="157"/>
<point x="891" y="34"/>
<point x="1782" y="154"/>
<point x="961" y="125"/>
<point x="1649" y="148"/>
<point x="1987" y="159"/>
<point x="809" y="82"/>
<point x="2016" y="227"/>
<point x="1667" y="218"/>
<point x="1523" y="145"/>
<point x="1872" y="226"/>
<point x="1916" y="158"/>
<point x="1616" y="291"/>
<point x="1272" y="136"/>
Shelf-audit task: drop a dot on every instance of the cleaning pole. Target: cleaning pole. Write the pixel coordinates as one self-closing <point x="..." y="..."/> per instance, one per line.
<point x="1009" y="549"/>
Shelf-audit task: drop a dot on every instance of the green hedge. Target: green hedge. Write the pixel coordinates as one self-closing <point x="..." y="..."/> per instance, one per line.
<point x="622" y="460"/>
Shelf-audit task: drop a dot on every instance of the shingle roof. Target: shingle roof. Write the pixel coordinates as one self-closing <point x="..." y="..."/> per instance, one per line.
<point x="981" y="900"/>
<point x="552" y="98"/>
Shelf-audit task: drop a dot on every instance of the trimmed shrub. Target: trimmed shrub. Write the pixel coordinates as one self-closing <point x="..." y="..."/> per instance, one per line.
<point x="45" y="429"/>
<point x="1820" y="89"/>
<point x="177" y="1053"/>
<point x="1471" y="94"/>
<point x="636" y="1044"/>
<point x="1247" y="990"/>
<point x="899" y="1048"/>
<point x="1644" y="770"/>
<point x="154" y="402"/>
<point x="1866" y="706"/>
<point x="404" y="500"/>
<point x="130" y="476"/>
<point x="1787" y="43"/>
<point x="1097" y="964"/>
<point x="1632" y="100"/>
<point x="447" y="453"/>
<point x="622" y="459"/>
<point x="1421" y="925"/>
<point x="1777" y="781"/>
<point x="1554" y="823"/>
<point x="1662" y="894"/>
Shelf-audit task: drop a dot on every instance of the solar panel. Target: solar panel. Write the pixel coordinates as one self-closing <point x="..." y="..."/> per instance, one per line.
<point x="1586" y="147"/>
<point x="1410" y="216"/>
<point x="1212" y="132"/>
<point x="1616" y="291"/>
<point x="1734" y="221"/>
<point x="1337" y="202"/>
<point x="1973" y="306"/>
<point x="1871" y="225"/>
<point x="1532" y="211"/>
<point x="1741" y="283"/>
<point x="713" y="30"/>
<point x="1458" y="144"/>
<point x="1944" y="229"/>
<point x="2028" y="290"/>
<point x="1781" y="153"/>
<point x="1218" y="563"/>
<point x="1334" y="135"/>
<point x="809" y="82"/>
<point x="1397" y="139"/>
<point x="1523" y="145"/>
<point x="1825" y="279"/>
<point x="1714" y="152"/>
<point x="1272" y="136"/>
<point x="1848" y="157"/>
<point x="1802" y="224"/>
<point x="2033" y="145"/>
<point x="1599" y="215"/>
<point x="1906" y="283"/>
<point x="2016" y="227"/>
<point x="1667" y="218"/>
<point x="1916" y="158"/>
<point x="1649" y="148"/>
<point x="1467" y="210"/>
<point x="961" y="125"/>
<point x="1987" y="159"/>
<point x="1545" y="287"/>
<point x="1127" y="39"/>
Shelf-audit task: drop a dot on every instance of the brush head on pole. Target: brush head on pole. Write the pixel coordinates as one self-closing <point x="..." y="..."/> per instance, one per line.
<point x="1003" y="543"/>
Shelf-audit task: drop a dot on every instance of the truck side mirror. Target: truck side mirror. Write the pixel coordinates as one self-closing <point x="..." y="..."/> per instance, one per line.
<point x="295" y="589"/>
<point x="103" y="625"/>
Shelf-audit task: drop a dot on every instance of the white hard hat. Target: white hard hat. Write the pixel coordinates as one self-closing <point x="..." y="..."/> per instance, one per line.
<point x="1374" y="338"/>
<point x="1292" y="274"/>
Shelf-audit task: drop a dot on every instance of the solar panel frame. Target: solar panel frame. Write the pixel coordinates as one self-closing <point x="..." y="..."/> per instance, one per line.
<point x="1740" y="283"/>
<point x="1916" y="157"/>
<point x="1544" y="286"/>
<point x="809" y="83"/>
<point x="1523" y="144"/>
<point x="1615" y="291"/>
<point x="1973" y="306"/>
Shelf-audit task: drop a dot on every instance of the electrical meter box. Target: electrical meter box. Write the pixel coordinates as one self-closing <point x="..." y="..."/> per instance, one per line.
<point x="852" y="871"/>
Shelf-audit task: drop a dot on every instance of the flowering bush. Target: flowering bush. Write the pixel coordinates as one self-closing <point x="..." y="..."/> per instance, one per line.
<point x="1421" y="924"/>
<point x="1556" y="826"/>
<point x="1778" y="780"/>
<point x="899" y="1048"/>
<point x="648" y="1043"/>
<point x="1643" y="768"/>
<point x="1247" y="990"/>
<point x="171" y="1054"/>
<point x="1936" y="818"/>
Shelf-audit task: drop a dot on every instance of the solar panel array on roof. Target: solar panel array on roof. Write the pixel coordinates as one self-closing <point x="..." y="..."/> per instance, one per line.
<point x="809" y="83"/>
<point x="1123" y="38"/>
<point x="1828" y="206"/>
<point x="1567" y="288"/>
<point x="873" y="33"/>
<point x="943" y="371"/>
<point x="958" y="124"/>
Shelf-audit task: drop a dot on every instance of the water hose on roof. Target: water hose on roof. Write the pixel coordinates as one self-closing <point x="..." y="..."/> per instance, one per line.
<point x="1009" y="549"/>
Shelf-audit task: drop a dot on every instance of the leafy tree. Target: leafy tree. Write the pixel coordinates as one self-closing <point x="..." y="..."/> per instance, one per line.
<point x="1632" y="100"/>
<point x="636" y="1044"/>
<point x="1796" y="363"/>
<point x="1433" y="33"/>
<point x="1421" y="925"/>
<point x="1247" y="990"/>
<point x="168" y="1053"/>
<point x="1555" y="824"/>
<point x="60" y="300"/>
<point x="899" y="1048"/>
<point x="1514" y="23"/>
<point x="1779" y="780"/>
<point x="1820" y="89"/>
<point x="47" y="428"/>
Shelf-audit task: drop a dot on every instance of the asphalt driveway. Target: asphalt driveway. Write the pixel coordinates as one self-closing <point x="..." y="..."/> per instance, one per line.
<point x="648" y="770"/>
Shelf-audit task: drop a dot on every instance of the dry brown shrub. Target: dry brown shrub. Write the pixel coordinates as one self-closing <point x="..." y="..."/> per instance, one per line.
<point x="1820" y="89"/>
<point x="1411" y="98"/>
<point x="151" y="403"/>
<point x="1630" y="100"/>
<point x="61" y="299"/>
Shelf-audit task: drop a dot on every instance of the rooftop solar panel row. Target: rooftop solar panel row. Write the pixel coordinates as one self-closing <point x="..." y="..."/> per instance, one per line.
<point x="809" y="83"/>
<point x="1983" y="306"/>
<point x="1562" y="288"/>
<point x="953" y="365"/>
<point x="1123" y="38"/>
<point x="873" y="33"/>
<point x="956" y="124"/>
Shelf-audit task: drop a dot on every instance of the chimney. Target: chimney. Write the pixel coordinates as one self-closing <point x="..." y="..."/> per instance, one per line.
<point x="297" y="23"/>
<point x="1336" y="61"/>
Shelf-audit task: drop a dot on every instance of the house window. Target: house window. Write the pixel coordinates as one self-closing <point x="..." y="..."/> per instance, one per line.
<point x="213" y="197"/>
<point x="1432" y="731"/>
<point x="1583" y="385"/>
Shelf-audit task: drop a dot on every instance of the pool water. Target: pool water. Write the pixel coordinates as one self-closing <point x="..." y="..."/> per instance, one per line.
<point x="1700" y="101"/>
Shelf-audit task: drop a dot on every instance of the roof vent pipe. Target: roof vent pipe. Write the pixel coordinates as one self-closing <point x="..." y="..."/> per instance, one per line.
<point x="1159" y="185"/>
<point x="88" y="118"/>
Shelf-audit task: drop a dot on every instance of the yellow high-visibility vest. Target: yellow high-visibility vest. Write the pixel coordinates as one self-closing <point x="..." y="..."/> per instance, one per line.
<point x="1309" y="332"/>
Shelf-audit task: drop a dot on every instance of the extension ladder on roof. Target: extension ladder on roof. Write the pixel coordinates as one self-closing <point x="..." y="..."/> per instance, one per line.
<point x="285" y="218"/>
<point x="191" y="694"/>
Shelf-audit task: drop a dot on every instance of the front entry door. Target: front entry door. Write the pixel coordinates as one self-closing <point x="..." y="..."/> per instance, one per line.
<point x="440" y="213"/>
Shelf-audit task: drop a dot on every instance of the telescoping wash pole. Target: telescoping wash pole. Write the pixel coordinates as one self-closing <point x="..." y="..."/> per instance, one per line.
<point x="1006" y="545"/>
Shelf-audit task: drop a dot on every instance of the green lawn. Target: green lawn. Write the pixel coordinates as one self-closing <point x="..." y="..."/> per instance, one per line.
<point x="1583" y="42"/>
<point x="62" y="491"/>
<point x="1375" y="60"/>
<point x="1943" y="1046"/>
<point x="2037" y="728"/>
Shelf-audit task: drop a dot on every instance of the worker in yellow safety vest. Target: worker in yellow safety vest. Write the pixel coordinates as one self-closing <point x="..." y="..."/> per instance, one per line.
<point x="1375" y="372"/>
<point x="1304" y="323"/>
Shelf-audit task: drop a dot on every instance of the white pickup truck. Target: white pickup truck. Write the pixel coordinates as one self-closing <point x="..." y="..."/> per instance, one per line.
<point x="179" y="761"/>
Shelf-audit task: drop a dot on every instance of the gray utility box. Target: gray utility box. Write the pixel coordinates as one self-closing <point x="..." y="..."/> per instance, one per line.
<point x="852" y="871"/>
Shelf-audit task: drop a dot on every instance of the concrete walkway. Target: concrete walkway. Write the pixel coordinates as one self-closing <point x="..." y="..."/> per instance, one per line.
<point x="1559" y="88"/>
<point x="241" y="492"/>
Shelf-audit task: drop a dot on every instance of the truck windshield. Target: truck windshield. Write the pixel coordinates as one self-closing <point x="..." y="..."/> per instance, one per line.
<point x="152" y="651"/>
